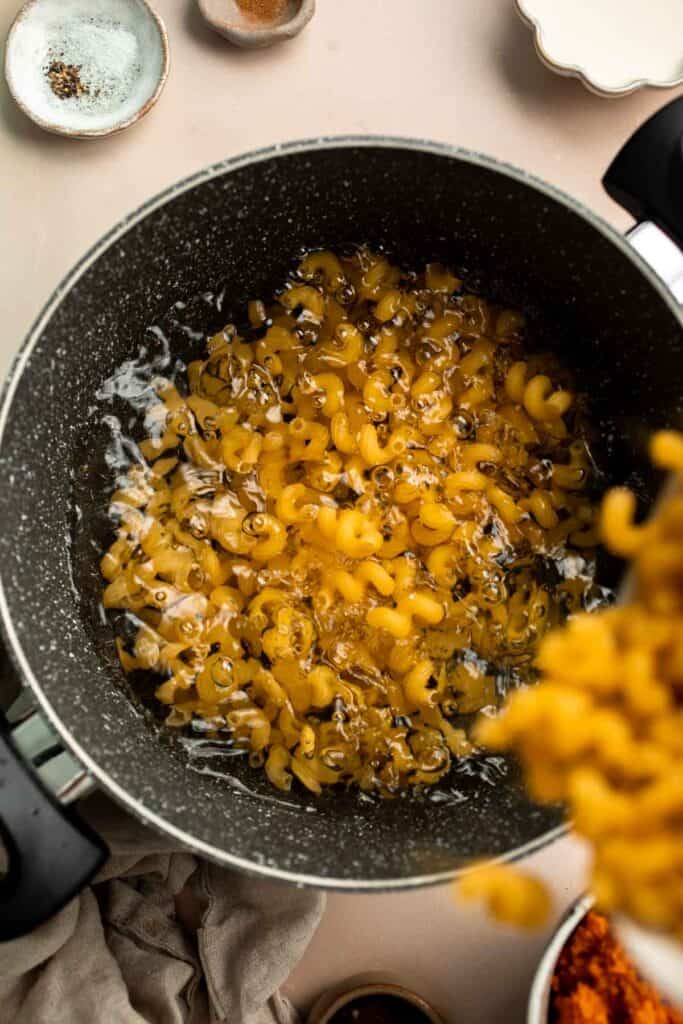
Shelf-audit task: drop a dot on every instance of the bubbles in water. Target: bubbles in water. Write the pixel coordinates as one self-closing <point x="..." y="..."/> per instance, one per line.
<point x="489" y="768"/>
<point x="447" y="798"/>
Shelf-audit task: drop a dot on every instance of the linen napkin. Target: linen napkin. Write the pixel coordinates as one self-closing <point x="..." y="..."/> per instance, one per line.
<point x="159" y="937"/>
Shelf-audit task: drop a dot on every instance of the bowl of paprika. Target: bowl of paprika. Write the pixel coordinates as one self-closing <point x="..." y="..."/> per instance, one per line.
<point x="585" y="977"/>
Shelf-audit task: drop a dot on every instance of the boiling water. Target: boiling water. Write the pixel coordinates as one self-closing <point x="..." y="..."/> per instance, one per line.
<point x="122" y="403"/>
<point x="204" y="756"/>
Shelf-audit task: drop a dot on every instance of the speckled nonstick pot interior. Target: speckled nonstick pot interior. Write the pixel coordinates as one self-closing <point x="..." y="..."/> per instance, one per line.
<point x="240" y="227"/>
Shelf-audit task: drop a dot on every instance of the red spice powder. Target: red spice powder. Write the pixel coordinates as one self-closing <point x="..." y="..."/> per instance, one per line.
<point x="596" y="983"/>
<point x="263" y="10"/>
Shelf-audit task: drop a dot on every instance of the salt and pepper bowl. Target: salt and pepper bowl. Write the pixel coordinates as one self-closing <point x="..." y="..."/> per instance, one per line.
<point x="243" y="28"/>
<point x="86" y="68"/>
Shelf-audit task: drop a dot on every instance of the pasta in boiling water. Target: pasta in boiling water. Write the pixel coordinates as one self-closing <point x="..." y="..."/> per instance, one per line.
<point x="352" y="525"/>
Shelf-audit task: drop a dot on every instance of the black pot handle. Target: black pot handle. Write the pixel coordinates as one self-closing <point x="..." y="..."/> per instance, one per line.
<point x="646" y="176"/>
<point x="52" y="853"/>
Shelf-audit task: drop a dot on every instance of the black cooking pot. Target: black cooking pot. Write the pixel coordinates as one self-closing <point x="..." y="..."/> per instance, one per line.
<point x="216" y="240"/>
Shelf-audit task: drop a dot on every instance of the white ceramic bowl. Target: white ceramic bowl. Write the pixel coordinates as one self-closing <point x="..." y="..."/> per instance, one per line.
<point x="612" y="46"/>
<point x="116" y="49"/>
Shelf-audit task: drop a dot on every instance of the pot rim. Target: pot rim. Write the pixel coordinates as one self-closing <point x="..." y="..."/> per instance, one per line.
<point x="7" y="631"/>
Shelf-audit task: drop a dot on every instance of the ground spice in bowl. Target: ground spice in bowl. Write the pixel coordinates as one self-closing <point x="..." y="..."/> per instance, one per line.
<point x="596" y="983"/>
<point x="263" y="10"/>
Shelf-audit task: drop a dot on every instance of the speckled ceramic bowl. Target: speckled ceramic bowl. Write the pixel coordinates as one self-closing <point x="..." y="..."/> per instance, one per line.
<point x="187" y="262"/>
<point x="86" y="68"/>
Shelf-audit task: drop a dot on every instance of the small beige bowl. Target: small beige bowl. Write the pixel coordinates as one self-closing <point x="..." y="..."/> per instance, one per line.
<point x="243" y="29"/>
<point x="373" y="984"/>
<point x="86" y="68"/>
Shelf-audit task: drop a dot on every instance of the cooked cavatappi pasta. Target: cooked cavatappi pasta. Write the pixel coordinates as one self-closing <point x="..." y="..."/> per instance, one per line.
<point x="353" y="525"/>
<point x="603" y="729"/>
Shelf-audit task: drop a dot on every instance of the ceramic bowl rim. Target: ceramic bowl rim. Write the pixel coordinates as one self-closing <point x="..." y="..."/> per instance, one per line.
<point x="334" y="999"/>
<point x="538" y="1006"/>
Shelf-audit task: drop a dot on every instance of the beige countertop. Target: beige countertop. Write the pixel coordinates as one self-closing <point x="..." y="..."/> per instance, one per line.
<point x="463" y="71"/>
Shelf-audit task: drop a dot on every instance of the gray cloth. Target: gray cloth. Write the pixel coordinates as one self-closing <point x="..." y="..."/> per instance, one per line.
<point x="160" y="937"/>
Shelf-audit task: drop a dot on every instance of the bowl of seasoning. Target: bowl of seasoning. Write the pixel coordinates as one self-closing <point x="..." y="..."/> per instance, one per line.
<point x="372" y="999"/>
<point x="586" y="977"/>
<point x="86" y="68"/>
<point x="257" y="23"/>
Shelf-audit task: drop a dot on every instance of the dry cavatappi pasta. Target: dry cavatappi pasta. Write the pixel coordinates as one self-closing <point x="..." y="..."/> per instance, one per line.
<point x="603" y="730"/>
<point x="352" y="524"/>
<point x="510" y="895"/>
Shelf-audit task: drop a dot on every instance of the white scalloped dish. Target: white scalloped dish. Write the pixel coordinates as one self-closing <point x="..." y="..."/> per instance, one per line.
<point x="613" y="46"/>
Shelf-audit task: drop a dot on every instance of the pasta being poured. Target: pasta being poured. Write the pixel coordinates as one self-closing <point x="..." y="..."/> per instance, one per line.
<point x="352" y="528"/>
<point x="603" y="730"/>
